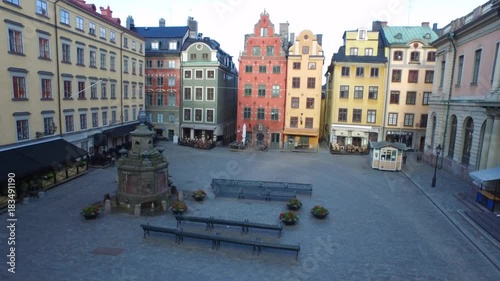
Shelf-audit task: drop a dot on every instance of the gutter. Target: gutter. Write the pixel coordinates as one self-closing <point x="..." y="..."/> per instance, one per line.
<point x="387" y="93"/>
<point x="58" y="71"/>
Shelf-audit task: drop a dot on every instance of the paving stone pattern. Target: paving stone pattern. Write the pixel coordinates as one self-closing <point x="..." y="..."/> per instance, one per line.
<point x="381" y="226"/>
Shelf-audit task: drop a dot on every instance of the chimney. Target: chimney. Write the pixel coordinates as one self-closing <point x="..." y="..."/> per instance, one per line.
<point x="193" y="27"/>
<point x="383" y="23"/>
<point x="130" y="23"/>
<point x="425" y="23"/>
<point x="106" y="12"/>
<point x="376" y="25"/>
<point x="435" y="27"/>
<point x="162" y="22"/>
<point x="292" y="37"/>
<point x="319" y="38"/>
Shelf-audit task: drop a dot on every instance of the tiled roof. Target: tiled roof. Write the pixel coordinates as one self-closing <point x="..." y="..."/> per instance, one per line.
<point x="341" y="57"/>
<point x="162" y="32"/>
<point x="402" y="35"/>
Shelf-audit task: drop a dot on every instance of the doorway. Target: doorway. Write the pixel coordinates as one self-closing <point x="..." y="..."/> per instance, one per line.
<point x="275" y="140"/>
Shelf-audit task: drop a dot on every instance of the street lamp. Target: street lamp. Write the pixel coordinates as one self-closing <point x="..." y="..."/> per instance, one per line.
<point x="438" y="151"/>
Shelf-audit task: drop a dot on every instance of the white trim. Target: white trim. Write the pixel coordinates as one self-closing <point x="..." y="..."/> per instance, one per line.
<point x="194" y="114"/>
<point x="190" y="114"/>
<point x="202" y="74"/>
<point x="194" y="96"/>
<point x="213" y="115"/>
<point x="206" y="75"/>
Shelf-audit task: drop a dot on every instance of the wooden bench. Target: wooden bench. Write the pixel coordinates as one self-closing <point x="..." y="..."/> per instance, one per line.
<point x="216" y="239"/>
<point x="301" y="188"/>
<point x="245" y="225"/>
<point x="490" y="198"/>
<point x="254" y="192"/>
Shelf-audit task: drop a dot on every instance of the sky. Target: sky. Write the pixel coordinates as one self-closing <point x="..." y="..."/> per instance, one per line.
<point x="227" y="21"/>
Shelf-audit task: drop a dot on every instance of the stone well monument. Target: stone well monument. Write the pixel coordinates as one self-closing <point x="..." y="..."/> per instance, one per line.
<point x="142" y="171"/>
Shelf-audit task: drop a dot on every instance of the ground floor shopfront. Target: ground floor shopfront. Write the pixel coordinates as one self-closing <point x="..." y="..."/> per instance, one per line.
<point x="414" y="139"/>
<point x="216" y="133"/>
<point x="352" y="138"/>
<point x="300" y="138"/>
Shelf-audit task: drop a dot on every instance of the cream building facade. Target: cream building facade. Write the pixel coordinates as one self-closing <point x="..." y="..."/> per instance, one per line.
<point x="68" y="71"/>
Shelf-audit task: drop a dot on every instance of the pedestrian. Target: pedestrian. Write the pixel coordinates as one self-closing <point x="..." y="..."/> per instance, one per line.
<point x="113" y="161"/>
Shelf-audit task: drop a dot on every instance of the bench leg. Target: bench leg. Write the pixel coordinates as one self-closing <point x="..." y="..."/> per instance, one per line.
<point x="145" y="232"/>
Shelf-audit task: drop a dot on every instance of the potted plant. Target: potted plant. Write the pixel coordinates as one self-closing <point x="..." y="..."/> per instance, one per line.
<point x="199" y="195"/>
<point x="90" y="212"/>
<point x="178" y="207"/>
<point x="294" y="204"/>
<point x="289" y="218"/>
<point x="319" y="212"/>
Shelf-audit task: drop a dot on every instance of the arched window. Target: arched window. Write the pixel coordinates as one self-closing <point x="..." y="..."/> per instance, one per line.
<point x="468" y="132"/>
<point x="453" y="136"/>
<point x="480" y="150"/>
<point x="433" y="136"/>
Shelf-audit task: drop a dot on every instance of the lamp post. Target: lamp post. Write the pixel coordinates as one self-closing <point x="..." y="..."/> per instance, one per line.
<point x="438" y="151"/>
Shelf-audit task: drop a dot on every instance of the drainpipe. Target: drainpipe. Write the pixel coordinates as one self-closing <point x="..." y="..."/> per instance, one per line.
<point x="325" y="115"/>
<point x="451" y="38"/>
<point x="121" y="78"/>
<point x="387" y="94"/>
<point x="180" y="112"/>
<point x="58" y="71"/>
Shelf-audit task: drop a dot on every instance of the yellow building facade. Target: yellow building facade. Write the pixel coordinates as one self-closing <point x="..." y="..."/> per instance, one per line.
<point x="411" y="62"/>
<point x="303" y="94"/>
<point x="68" y="71"/>
<point x="356" y="92"/>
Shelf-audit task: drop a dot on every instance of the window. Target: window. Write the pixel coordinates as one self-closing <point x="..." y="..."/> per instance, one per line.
<point x="79" y="23"/>
<point x="149" y="81"/>
<point x="104" y="118"/>
<point x="311" y="66"/>
<point x="80" y="56"/>
<point x="356" y="115"/>
<point x="149" y="99"/>
<point x="159" y="64"/>
<point x="198" y="74"/>
<point x="204" y="56"/>
<point x="160" y="99"/>
<point x="296" y="82"/>
<point x="19" y="87"/>
<point x="69" y="122"/>
<point x="83" y="121"/>
<point x="95" y="119"/>
<point x="431" y="56"/>
<point x="134" y="45"/>
<point x="159" y="81"/>
<point x="171" y="81"/>
<point x="248" y="90"/>
<point x="112" y="63"/>
<point x="113" y="117"/>
<point x="477" y="62"/>
<point x="413" y="76"/>
<point x="309" y="122"/>
<point x="360" y="71"/>
<point x="425" y="98"/>
<point x="102" y="33"/>
<point x="305" y="50"/>
<point x="276" y="69"/>
<point x="342" y="114"/>
<point x="210" y="115"/>
<point x="362" y="34"/>
<point x="192" y="56"/>
<point x="187" y="114"/>
<point x="134" y="113"/>
<point x="210" y="94"/>
<point x="270" y="51"/>
<point x="368" y="52"/>
<point x="64" y="17"/>
<point x="91" y="28"/>
<point x="256" y="51"/>
<point x="409" y="118"/>
<point x="374" y="72"/>
<point x="423" y="120"/>
<point x="310" y="103"/>
<point x="41" y="7"/>
<point x="113" y="91"/>
<point x="155" y="45"/>
<point x="248" y="69"/>
<point x="262" y="69"/>
<point x="263" y="31"/>
<point x="172" y="45"/>
<point x="112" y="36"/>
<point x="393" y="119"/>
<point x="345" y="71"/>
<point x="353" y="51"/>
<point x="67" y="89"/>
<point x="134" y="67"/>
<point x="140" y="68"/>
<point x="103" y="61"/>
<point x="104" y="94"/>
<point x="44" y="48"/>
<point x="93" y="89"/>
<point x="23" y="130"/>
<point x="49" y="126"/>
<point x="275" y="91"/>
<point x="262" y="91"/>
<point x="141" y="90"/>
<point x="453" y="136"/>
<point x="198" y="115"/>
<point x="198" y="94"/>
<point x="294" y="122"/>
<point x="296" y="65"/>
<point x="429" y="76"/>
<point x="415" y="56"/>
<point x="247" y="113"/>
<point x="394" y="97"/>
<point x="66" y="53"/>
<point x="187" y="93"/>
<point x="211" y="74"/>
<point x="373" y="92"/>
<point x="125" y="92"/>
<point x="396" y="75"/>
<point x="187" y="74"/>
<point x="411" y="97"/>
<point x="171" y="64"/>
<point x="398" y="56"/>
<point x="15" y="41"/>
<point x="261" y="113"/>
<point x="371" y="116"/>
<point x="311" y="82"/>
<point x="171" y="118"/>
<point x="125" y="44"/>
<point x="295" y="102"/>
<point x="46" y="88"/>
<point x="93" y="58"/>
<point x="358" y="92"/>
<point x="344" y="91"/>
<point x="460" y="70"/>
<point x="275" y="113"/>
<point x="441" y="79"/>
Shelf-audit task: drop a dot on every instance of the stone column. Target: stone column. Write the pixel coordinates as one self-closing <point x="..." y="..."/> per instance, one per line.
<point x="494" y="148"/>
<point x="486" y="142"/>
<point x="191" y="133"/>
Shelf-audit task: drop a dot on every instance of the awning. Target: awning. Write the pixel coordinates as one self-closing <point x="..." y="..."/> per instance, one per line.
<point x="301" y="132"/>
<point x="486" y="175"/>
<point x="28" y="160"/>
<point x="200" y="126"/>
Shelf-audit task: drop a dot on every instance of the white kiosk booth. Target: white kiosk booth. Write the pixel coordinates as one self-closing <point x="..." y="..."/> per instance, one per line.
<point x="387" y="156"/>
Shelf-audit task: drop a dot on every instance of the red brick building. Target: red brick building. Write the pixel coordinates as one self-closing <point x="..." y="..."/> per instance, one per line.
<point x="262" y="85"/>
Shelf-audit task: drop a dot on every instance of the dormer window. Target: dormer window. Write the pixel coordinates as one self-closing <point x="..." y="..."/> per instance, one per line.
<point x="362" y="34"/>
<point x="399" y="36"/>
<point x="172" y="45"/>
<point x="155" y="45"/>
<point x="427" y="36"/>
<point x="263" y="32"/>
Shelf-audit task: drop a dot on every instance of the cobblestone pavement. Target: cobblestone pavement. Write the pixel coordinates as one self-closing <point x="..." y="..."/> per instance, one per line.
<point x="381" y="226"/>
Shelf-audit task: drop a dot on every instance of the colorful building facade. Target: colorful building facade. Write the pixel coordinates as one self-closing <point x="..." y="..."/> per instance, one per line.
<point x="304" y="91"/>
